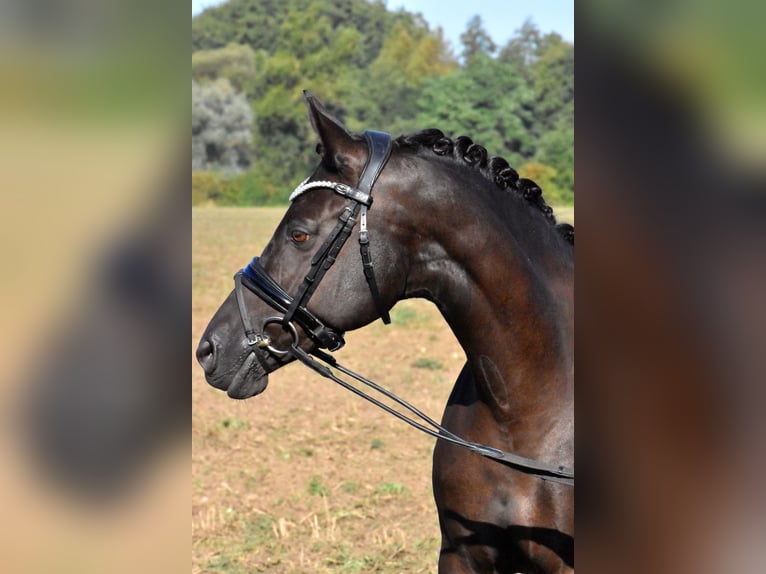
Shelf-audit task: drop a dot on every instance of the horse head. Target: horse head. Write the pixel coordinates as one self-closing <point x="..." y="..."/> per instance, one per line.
<point x="278" y="307"/>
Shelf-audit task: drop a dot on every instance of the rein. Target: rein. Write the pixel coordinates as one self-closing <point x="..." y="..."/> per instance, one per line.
<point x="257" y="280"/>
<point x="550" y="472"/>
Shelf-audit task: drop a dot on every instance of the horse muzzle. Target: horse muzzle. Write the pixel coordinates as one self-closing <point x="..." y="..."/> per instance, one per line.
<point x="244" y="377"/>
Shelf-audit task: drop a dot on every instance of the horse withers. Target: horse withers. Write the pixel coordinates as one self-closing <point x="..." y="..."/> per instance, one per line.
<point x="439" y="219"/>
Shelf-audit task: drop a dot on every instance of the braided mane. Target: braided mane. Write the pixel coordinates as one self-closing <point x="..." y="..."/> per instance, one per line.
<point x="494" y="168"/>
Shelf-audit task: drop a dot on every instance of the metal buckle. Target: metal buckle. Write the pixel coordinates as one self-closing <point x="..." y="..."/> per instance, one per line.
<point x="265" y="342"/>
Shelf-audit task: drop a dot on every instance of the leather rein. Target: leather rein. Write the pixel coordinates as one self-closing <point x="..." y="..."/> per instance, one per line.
<point x="295" y="311"/>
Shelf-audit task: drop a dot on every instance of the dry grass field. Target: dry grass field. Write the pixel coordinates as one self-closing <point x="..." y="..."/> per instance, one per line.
<point x="307" y="477"/>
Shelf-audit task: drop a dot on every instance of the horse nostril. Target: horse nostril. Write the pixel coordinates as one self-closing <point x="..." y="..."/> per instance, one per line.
<point x="206" y="356"/>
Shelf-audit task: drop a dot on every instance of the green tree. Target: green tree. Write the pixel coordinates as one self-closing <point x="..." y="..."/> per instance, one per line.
<point x="408" y="57"/>
<point x="476" y="40"/>
<point x="552" y="77"/>
<point x="556" y="149"/>
<point x="252" y="22"/>
<point x="524" y="46"/>
<point x="319" y="50"/>
<point x="235" y="62"/>
<point x="547" y="63"/>
<point x="487" y="100"/>
<point x="376" y="69"/>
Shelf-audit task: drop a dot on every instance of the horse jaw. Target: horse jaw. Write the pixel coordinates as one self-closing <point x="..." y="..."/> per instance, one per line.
<point x="249" y="380"/>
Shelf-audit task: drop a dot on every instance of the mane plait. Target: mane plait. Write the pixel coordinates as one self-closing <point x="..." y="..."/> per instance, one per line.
<point x="494" y="168"/>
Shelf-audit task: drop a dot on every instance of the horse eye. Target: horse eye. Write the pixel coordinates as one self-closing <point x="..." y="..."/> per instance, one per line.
<point x="300" y="236"/>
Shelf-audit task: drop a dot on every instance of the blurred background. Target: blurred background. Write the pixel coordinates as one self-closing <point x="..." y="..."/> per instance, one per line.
<point x="94" y="295"/>
<point x="671" y="271"/>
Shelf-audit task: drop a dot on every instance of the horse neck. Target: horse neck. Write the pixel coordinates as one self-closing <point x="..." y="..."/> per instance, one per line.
<point x="507" y="295"/>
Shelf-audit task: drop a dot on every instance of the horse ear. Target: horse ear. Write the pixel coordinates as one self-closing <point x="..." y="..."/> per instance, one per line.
<point x="337" y="143"/>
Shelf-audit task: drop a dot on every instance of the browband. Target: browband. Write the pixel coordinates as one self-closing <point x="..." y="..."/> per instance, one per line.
<point x="379" y="150"/>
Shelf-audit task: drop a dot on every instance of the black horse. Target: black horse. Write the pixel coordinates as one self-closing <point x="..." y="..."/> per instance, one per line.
<point x="461" y="229"/>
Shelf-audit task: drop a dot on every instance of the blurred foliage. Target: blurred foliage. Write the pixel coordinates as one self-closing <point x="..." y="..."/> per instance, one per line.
<point x="206" y="186"/>
<point x="221" y="127"/>
<point x="92" y="144"/>
<point x="381" y="69"/>
<point x="234" y="62"/>
<point x="710" y="53"/>
<point x="476" y="40"/>
<point x="487" y="100"/>
<point x="79" y="61"/>
<point x="248" y="188"/>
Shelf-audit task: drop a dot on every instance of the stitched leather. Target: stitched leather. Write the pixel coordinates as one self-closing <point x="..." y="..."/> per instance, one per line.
<point x="257" y="280"/>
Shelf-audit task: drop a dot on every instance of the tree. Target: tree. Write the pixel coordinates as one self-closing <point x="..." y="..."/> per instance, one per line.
<point x="552" y="77"/>
<point x="221" y="128"/>
<point x="556" y="149"/>
<point x="547" y="64"/>
<point x="393" y="82"/>
<point x="374" y="69"/>
<point x="487" y="100"/>
<point x="235" y="62"/>
<point x="523" y="48"/>
<point x="476" y="40"/>
<point x="321" y="51"/>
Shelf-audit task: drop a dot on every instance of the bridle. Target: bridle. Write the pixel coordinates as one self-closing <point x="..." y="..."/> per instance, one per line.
<point x="295" y="310"/>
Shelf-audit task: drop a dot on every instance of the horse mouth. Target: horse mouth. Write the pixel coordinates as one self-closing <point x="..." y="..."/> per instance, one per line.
<point x="250" y="379"/>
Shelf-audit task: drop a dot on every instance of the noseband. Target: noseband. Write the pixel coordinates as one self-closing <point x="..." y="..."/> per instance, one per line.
<point x="295" y="309"/>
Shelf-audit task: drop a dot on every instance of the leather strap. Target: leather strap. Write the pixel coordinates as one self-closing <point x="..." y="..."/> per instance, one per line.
<point x="544" y="470"/>
<point x="379" y="145"/>
<point x="253" y="337"/>
<point x="369" y="275"/>
<point x="379" y="150"/>
<point x="324" y="259"/>
<point x="257" y="280"/>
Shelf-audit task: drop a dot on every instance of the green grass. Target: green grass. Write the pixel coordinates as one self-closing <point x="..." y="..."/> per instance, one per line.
<point x="235" y="423"/>
<point x="427" y="363"/>
<point x="390" y="488"/>
<point x="405" y="314"/>
<point x="316" y="488"/>
<point x="233" y="556"/>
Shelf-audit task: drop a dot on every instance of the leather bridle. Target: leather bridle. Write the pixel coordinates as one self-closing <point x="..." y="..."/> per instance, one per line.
<point x="295" y="311"/>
